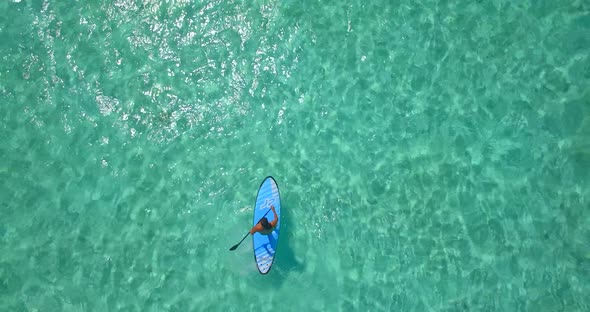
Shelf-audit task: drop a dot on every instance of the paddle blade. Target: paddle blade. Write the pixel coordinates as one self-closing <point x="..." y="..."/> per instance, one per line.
<point x="234" y="247"/>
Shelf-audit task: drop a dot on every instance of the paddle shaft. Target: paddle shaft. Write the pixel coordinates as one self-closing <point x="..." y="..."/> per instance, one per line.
<point x="238" y="244"/>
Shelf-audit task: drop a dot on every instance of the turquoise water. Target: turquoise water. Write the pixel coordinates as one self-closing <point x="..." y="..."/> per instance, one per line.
<point x="431" y="155"/>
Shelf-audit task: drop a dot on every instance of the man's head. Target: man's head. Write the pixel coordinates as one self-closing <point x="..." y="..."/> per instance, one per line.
<point x="265" y="224"/>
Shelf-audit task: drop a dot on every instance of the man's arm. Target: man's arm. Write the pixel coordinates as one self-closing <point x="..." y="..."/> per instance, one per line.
<point x="273" y="223"/>
<point x="256" y="228"/>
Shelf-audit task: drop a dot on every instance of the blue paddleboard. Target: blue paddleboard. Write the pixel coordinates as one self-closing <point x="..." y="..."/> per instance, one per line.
<point x="265" y="246"/>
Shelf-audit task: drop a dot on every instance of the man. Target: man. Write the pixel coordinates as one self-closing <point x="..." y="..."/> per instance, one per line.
<point x="264" y="227"/>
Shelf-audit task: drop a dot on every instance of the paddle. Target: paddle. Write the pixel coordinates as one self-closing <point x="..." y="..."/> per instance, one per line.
<point x="238" y="244"/>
